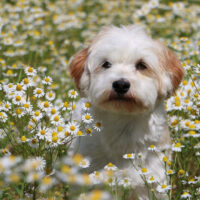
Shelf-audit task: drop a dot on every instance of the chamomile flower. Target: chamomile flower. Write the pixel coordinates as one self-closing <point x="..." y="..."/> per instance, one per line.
<point x="97" y="126"/>
<point x="125" y="182"/>
<point x="86" y="105"/>
<point x="30" y="71"/>
<point x="186" y="195"/>
<point x="46" y="183"/>
<point x="19" y="89"/>
<point x="153" y="148"/>
<point x="177" y="147"/>
<point x="72" y="127"/>
<point x="33" y="142"/>
<point x="56" y="120"/>
<point x="42" y="132"/>
<point x="144" y="171"/>
<point x="34" y="176"/>
<point x="110" y="166"/>
<point x="47" y="80"/>
<point x="129" y="156"/>
<point x="72" y="94"/>
<point x="85" y="163"/>
<point x="18" y="99"/>
<point x="19" y="112"/>
<point x="38" y="92"/>
<point x="87" y="118"/>
<point x="27" y="82"/>
<point x="27" y="106"/>
<point x="151" y="179"/>
<point x="96" y="177"/>
<point x="45" y="105"/>
<point x="6" y="106"/>
<point x="163" y="188"/>
<point x="37" y="115"/>
<point x="3" y="117"/>
<point x="170" y="172"/>
<point x="50" y="96"/>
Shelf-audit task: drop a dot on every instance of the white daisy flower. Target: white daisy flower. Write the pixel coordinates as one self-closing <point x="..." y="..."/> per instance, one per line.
<point x="27" y="106"/>
<point x="87" y="118"/>
<point x="125" y="182"/>
<point x="72" y="94"/>
<point x="97" y="126"/>
<point x="177" y="147"/>
<point x="85" y="163"/>
<point x="18" y="99"/>
<point x="185" y="195"/>
<point x="37" y="115"/>
<point x="19" y="89"/>
<point x="19" y="112"/>
<point x="56" y="120"/>
<point x="47" y="80"/>
<point x="44" y="105"/>
<point x="38" y="92"/>
<point x="34" y="176"/>
<point x="153" y="148"/>
<point x="170" y="172"/>
<point x="110" y="166"/>
<point x="163" y="188"/>
<point x="129" y="156"/>
<point x="27" y="82"/>
<point x="144" y="171"/>
<point x="151" y="180"/>
<point x="86" y="105"/>
<point x="30" y="71"/>
<point x="3" y="117"/>
<point x="96" y="177"/>
<point x="33" y="143"/>
<point x="6" y="106"/>
<point x="50" y="96"/>
<point x="42" y="132"/>
<point x="72" y="127"/>
<point x="46" y="183"/>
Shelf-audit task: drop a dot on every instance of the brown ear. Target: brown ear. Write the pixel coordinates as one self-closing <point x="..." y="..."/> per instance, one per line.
<point x="174" y="66"/>
<point x="77" y="66"/>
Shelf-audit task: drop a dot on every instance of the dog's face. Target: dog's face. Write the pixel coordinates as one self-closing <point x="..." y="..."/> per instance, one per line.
<point x="124" y="70"/>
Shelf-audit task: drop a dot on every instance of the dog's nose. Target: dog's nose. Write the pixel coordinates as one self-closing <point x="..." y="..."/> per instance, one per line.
<point x="121" y="86"/>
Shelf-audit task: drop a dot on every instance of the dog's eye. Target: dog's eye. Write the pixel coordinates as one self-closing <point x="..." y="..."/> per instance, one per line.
<point x="106" y="65"/>
<point x="141" y="66"/>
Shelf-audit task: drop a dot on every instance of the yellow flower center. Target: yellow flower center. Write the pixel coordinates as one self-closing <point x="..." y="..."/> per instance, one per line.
<point x="87" y="104"/>
<point x="72" y="128"/>
<point x="54" y="134"/>
<point x="18" y="98"/>
<point x="46" y="104"/>
<point x="144" y="170"/>
<point x="178" y="144"/>
<point x="66" y="133"/>
<point x="163" y="186"/>
<point x="87" y="117"/>
<point x="110" y="164"/>
<point x="73" y="92"/>
<point x="79" y="133"/>
<point x="30" y="69"/>
<point x="59" y="128"/>
<point x="165" y="159"/>
<point x="56" y="118"/>
<point x="37" y="113"/>
<point x="54" y="139"/>
<point x="151" y="178"/>
<point x="26" y="105"/>
<point x="23" y="138"/>
<point x="14" y="178"/>
<point x="46" y="180"/>
<point x="66" y="104"/>
<point x="6" y="106"/>
<point x="39" y="91"/>
<point x="89" y="130"/>
<point x="50" y="94"/>
<point x="42" y="132"/>
<point x="129" y="155"/>
<point x="18" y="111"/>
<point x="152" y="146"/>
<point x="53" y="111"/>
<point x="34" y="141"/>
<point x="26" y="81"/>
<point x="47" y="79"/>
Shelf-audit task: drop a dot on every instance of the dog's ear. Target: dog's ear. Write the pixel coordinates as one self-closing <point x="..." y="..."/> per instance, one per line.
<point x="174" y="66"/>
<point x="77" y="66"/>
<point x="172" y="69"/>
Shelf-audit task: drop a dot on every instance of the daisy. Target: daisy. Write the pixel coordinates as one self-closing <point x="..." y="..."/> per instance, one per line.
<point x="18" y="99"/>
<point x="151" y="180"/>
<point x="30" y="71"/>
<point x="185" y="195"/>
<point x="170" y="172"/>
<point x="46" y="183"/>
<point x="42" y="132"/>
<point x="19" y="112"/>
<point x="19" y="89"/>
<point x="163" y="188"/>
<point x="27" y="106"/>
<point x="72" y="94"/>
<point x="50" y="96"/>
<point x="153" y="148"/>
<point x="65" y="105"/>
<point x="56" y="120"/>
<point x="110" y="166"/>
<point x="86" y="105"/>
<point x="6" y="106"/>
<point x="126" y="182"/>
<point x="97" y="126"/>
<point x="144" y="171"/>
<point x="87" y="118"/>
<point x="85" y="163"/>
<point x="45" y="105"/>
<point x="37" y="115"/>
<point x="47" y="80"/>
<point x="38" y="92"/>
<point x="3" y="117"/>
<point x="34" y="176"/>
<point x="33" y="142"/>
<point x="96" y="177"/>
<point x="27" y="82"/>
<point x="72" y="127"/>
<point x="129" y="156"/>
<point x="177" y="147"/>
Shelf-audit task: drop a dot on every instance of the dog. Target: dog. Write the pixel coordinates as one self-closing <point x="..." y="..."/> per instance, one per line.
<point x="127" y="76"/>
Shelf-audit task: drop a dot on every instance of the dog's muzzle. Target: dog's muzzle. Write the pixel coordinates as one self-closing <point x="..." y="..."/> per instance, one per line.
<point x="121" y="86"/>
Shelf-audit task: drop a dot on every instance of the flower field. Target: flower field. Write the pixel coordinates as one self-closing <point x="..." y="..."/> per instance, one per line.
<point x="38" y="98"/>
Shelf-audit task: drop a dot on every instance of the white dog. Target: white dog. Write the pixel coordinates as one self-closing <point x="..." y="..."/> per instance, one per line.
<point x="127" y="76"/>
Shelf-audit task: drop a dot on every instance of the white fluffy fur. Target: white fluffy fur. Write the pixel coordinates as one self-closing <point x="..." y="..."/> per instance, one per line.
<point x="126" y="128"/>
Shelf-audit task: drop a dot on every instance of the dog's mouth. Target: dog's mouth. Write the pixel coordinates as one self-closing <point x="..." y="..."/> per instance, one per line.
<point x="127" y="103"/>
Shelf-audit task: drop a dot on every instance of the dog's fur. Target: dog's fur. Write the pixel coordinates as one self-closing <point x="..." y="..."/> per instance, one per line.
<point x="135" y="120"/>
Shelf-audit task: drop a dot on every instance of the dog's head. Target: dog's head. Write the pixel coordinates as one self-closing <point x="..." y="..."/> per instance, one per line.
<point x="124" y="70"/>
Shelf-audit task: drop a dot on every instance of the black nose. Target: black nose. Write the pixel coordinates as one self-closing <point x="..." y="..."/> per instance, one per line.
<point x="121" y="86"/>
